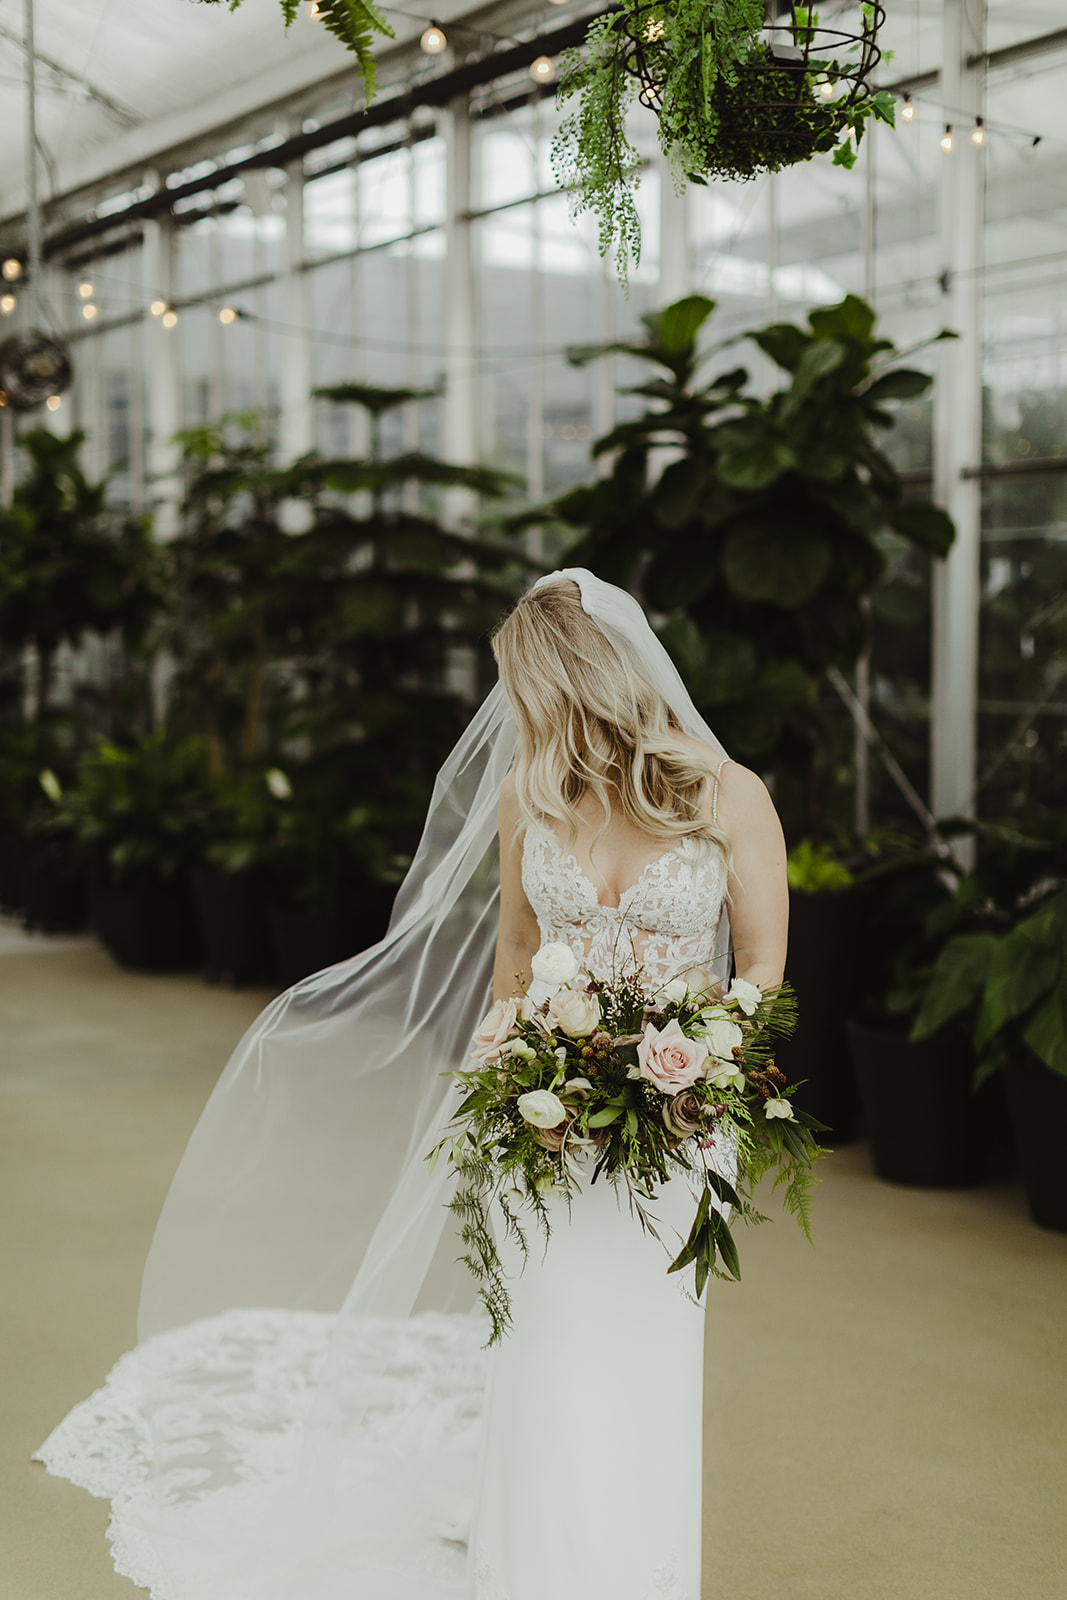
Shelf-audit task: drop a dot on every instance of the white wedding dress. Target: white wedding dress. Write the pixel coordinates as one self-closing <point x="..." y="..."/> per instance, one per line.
<point x="566" y="1465"/>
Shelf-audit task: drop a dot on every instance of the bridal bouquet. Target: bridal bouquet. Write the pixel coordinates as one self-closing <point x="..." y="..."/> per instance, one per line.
<point x="580" y="1078"/>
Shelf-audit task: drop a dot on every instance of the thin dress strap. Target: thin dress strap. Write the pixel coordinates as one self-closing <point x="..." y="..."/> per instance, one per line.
<point x="715" y="796"/>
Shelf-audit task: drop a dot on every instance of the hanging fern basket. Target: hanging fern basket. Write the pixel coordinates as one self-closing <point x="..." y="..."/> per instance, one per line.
<point x="735" y="96"/>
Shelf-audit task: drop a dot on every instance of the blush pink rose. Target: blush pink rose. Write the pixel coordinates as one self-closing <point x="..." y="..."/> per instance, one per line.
<point x="668" y="1059"/>
<point x="495" y="1027"/>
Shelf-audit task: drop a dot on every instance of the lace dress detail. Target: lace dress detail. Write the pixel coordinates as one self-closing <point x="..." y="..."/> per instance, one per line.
<point x="666" y="921"/>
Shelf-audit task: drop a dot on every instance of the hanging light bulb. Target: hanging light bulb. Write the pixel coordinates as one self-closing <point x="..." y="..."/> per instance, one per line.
<point x="53" y="402"/>
<point x="541" y="70"/>
<point x="433" y="40"/>
<point x="11" y="269"/>
<point x="907" y="110"/>
<point x="7" y="304"/>
<point x="85" y="289"/>
<point x="825" y="90"/>
<point x="314" y="10"/>
<point x="227" y="315"/>
<point x="89" y="311"/>
<point x="978" y="132"/>
<point x="170" y="319"/>
<point x="158" y="307"/>
<point x="948" y="143"/>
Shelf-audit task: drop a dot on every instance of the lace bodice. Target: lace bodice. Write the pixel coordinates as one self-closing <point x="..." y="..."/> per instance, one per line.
<point x="666" y="921"/>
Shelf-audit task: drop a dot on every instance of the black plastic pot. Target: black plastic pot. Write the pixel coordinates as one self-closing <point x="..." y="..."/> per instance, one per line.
<point x="153" y="927"/>
<point x="53" y="887"/>
<point x="235" y="926"/>
<point x="926" y="1125"/>
<point x="821" y="966"/>
<point x="309" y="938"/>
<point x="1037" y="1102"/>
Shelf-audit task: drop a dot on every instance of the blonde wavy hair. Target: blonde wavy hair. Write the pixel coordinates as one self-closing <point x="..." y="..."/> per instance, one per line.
<point x="590" y="722"/>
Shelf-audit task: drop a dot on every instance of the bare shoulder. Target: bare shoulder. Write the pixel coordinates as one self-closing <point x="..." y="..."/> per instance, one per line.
<point x="746" y="811"/>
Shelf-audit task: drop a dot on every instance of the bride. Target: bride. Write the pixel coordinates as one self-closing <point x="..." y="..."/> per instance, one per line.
<point x="310" y="1413"/>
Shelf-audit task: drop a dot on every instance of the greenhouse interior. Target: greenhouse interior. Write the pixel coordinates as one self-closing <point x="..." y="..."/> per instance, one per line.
<point x="325" y="331"/>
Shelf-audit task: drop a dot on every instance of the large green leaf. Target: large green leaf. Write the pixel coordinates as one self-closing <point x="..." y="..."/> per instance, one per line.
<point x="680" y="323"/>
<point x="927" y="526"/>
<point x="680" y="490"/>
<point x="774" y="562"/>
<point x="1046" y="1032"/>
<point x="904" y="383"/>
<point x="784" y="343"/>
<point x="956" y="982"/>
<point x="819" y="360"/>
<point x="752" y="456"/>
<point x="853" y="318"/>
<point x="1027" y="963"/>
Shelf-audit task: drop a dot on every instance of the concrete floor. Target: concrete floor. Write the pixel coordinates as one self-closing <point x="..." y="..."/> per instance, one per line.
<point x="886" y="1414"/>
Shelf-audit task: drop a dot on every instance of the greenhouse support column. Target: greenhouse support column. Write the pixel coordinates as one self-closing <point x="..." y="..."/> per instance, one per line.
<point x="295" y="429"/>
<point x="958" y="417"/>
<point x="459" y="433"/>
<point x="674" y="274"/>
<point x="163" y="407"/>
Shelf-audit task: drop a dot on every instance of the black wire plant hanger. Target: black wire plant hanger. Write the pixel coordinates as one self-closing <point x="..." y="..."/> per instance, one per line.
<point x="739" y="87"/>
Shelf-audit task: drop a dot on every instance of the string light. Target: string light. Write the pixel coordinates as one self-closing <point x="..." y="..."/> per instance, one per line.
<point x="825" y="90"/>
<point x="85" y="289"/>
<point x="227" y="315"/>
<point x="53" y="402"/>
<point x="907" y="110"/>
<point x="314" y="10"/>
<point x="158" y="307"/>
<point x="11" y="269"/>
<point x="948" y="143"/>
<point x="170" y="319"/>
<point x="434" y="40"/>
<point x="7" y="304"/>
<point x="542" y="69"/>
<point x="89" y="311"/>
<point x="978" y="132"/>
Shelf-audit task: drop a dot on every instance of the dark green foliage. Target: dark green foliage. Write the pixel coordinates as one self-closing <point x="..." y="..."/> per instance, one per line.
<point x="69" y="566"/>
<point x="758" y="542"/>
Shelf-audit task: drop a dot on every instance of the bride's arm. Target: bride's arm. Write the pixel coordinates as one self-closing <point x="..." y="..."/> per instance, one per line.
<point x="518" y="938"/>
<point x="759" y="904"/>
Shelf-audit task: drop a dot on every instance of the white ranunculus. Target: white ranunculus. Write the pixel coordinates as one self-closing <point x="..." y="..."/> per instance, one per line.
<point x="747" y="995"/>
<point x="777" y="1107"/>
<point x="722" y="1035"/>
<point x="541" y="1108"/>
<point x="575" y="1012"/>
<point x="676" y="989"/>
<point x="279" y="785"/>
<point x="555" y="964"/>
<point x="721" y="1075"/>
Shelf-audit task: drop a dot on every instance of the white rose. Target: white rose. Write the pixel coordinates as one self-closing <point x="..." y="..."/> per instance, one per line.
<point x="576" y="1013"/>
<point x="777" y="1107"/>
<point x="555" y="964"/>
<point x="747" y="995"/>
<point x="541" y="1108"/>
<point x="722" y="1035"/>
<point x="676" y="989"/>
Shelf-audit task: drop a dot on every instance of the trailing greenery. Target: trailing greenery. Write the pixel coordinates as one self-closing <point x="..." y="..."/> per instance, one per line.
<point x="753" y="525"/>
<point x="355" y="22"/>
<point x="727" y="107"/>
<point x="815" y="869"/>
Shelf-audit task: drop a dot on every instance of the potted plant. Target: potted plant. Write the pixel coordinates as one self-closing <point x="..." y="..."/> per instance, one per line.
<point x="139" y="815"/>
<point x="735" y="94"/>
<point x="821" y="966"/>
<point x="1002" y="971"/>
<point x="925" y="1123"/>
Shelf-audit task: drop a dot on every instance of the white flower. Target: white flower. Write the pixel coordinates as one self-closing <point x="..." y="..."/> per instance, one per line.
<point x="577" y="1014"/>
<point x="747" y="995"/>
<point x="722" y="1035"/>
<point x="676" y="989"/>
<point x="518" y="1047"/>
<point x="739" y="1081"/>
<point x="541" y="1108"/>
<point x="555" y="964"/>
<point x="721" y="1075"/>
<point x="50" y="784"/>
<point x="777" y="1107"/>
<point x="279" y="784"/>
